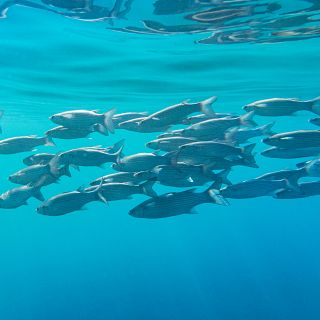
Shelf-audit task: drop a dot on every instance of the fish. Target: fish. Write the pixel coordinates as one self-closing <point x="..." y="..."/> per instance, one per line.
<point x="173" y="133"/>
<point x="84" y="118"/>
<point x="216" y="128"/>
<point x="19" y="196"/>
<point x="126" y="116"/>
<point x="120" y="191"/>
<point x="138" y="126"/>
<point x="283" y="106"/>
<point x="38" y="158"/>
<point x="310" y="168"/>
<point x="176" y="113"/>
<point x="85" y="157"/>
<point x="216" y="149"/>
<point x="183" y="175"/>
<point x="253" y="188"/>
<point x="141" y="162"/>
<point x="306" y="189"/>
<point x="23" y="144"/>
<point x="168" y="144"/>
<point x="119" y="177"/>
<point x="242" y="135"/>
<point x="291" y="153"/>
<point x="294" y="139"/>
<point x="75" y="133"/>
<point x="68" y="202"/>
<point x="203" y="117"/>
<point x="176" y="203"/>
<point x="39" y="172"/>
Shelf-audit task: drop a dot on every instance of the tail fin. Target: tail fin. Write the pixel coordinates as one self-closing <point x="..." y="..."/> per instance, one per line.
<point x="65" y="171"/>
<point x="117" y="146"/>
<point x="101" y="129"/>
<point x="108" y="120"/>
<point x="118" y="155"/>
<point x="250" y="162"/>
<point x="147" y="188"/>
<point x="302" y="164"/>
<point x="223" y="176"/>
<point x="36" y="193"/>
<point x="266" y="129"/>
<point x="205" y="106"/>
<point x="247" y="150"/>
<point x="292" y="184"/>
<point x="246" y="119"/>
<point x="54" y="165"/>
<point x="48" y="141"/>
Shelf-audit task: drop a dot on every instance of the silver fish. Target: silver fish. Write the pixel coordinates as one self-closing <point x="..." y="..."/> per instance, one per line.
<point x="283" y="106"/>
<point x="306" y="189"/>
<point x="138" y="126"/>
<point x="84" y="118"/>
<point x="176" y="113"/>
<point x="17" y="197"/>
<point x="203" y="117"/>
<point x="141" y="162"/>
<point x="38" y="158"/>
<point x="126" y="116"/>
<point x="23" y="144"/>
<point x="290" y="153"/>
<point x="175" y="203"/>
<point x="121" y="191"/>
<point x="168" y="144"/>
<point x="241" y="135"/>
<point x="119" y="177"/>
<point x="295" y="139"/>
<point x="75" y="133"/>
<point x="253" y="188"/>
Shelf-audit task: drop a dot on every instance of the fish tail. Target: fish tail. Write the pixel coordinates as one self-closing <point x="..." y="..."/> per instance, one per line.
<point x="315" y="105"/>
<point x="108" y="120"/>
<point x="147" y="188"/>
<point x="206" y="106"/>
<point x="65" y="171"/>
<point x="292" y="184"/>
<point x="247" y="150"/>
<point x="54" y="166"/>
<point x="101" y="129"/>
<point x="118" y="155"/>
<point x="117" y="146"/>
<point x="246" y="119"/>
<point x="48" y="141"/>
<point x="36" y="193"/>
<point x="223" y="175"/>
<point x="266" y="129"/>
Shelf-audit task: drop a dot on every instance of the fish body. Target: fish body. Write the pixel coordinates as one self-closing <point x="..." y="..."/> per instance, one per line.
<point x="168" y="144"/>
<point x="23" y="144"/>
<point x="203" y="117"/>
<point x="84" y="119"/>
<point x="176" y="113"/>
<point x="141" y="162"/>
<point x="282" y="107"/>
<point x="253" y="188"/>
<point x="126" y="116"/>
<point x="295" y="139"/>
<point x="119" y="177"/>
<point x="75" y="133"/>
<point x="137" y="125"/>
<point x="292" y="176"/>
<point x="291" y="153"/>
<point x="307" y="189"/>
<point x="39" y="158"/>
<point x="17" y="197"/>
<point x="174" y="204"/>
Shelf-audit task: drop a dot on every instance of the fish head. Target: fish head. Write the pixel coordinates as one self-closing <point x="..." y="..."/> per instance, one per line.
<point x="43" y="209"/>
<point x="28" y="161"/>
<point x="248" y="108"/>
<point x="137" y="212"/>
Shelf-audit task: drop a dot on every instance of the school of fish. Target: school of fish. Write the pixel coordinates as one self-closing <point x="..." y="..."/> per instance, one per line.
<point x="194" y="147"/>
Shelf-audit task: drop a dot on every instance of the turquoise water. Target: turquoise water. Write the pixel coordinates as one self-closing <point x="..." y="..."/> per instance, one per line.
<point x="256" y="259"/>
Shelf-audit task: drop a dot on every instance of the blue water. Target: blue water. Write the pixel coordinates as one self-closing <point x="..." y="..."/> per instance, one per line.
<point x="256" y="259"/>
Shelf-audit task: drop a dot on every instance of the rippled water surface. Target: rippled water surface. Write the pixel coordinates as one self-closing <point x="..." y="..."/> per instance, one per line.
<point x="256" y="259"/>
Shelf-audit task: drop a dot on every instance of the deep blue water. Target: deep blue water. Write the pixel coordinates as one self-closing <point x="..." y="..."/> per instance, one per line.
<point x="256" y="259"/>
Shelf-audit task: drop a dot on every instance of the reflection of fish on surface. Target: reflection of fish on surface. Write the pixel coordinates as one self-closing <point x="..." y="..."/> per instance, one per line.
<point x="77" y="9"/>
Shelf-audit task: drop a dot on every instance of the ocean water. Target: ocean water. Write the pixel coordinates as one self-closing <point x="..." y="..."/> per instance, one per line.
<point x="255" y="259"/>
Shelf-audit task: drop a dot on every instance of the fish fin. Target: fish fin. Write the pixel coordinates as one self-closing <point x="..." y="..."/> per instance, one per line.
<point x="102" y="198"/>
<point x="247" y="150"/>
<point x="66" y="171"/>
<point x="223" y="175"/>
<point x="266" y="129"/>
<point x="101" y="129"/>
<point x="302" y="164"/>
<point x="81" y="188"/>
<point x="250" y="162"/>
<point x="217" y="198"/>
<point x="108" y="120"/>
<point x="190" y="180"/>
<point x="117" y="146"/>
<point x="205" y="106"/>
<point x="246" y="119"/>
<point x="147" y="188"/>
<point x="292" y="184"/>
<point x="74" y="166"/>
<point x="49" y="142"/>
<point x="37" y="194"/>
<point x="315" y="106"/>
